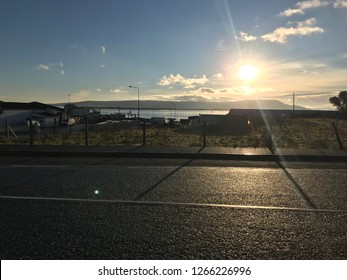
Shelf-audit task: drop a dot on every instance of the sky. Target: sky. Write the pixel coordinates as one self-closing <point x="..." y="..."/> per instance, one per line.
<point x="55" y="51"/>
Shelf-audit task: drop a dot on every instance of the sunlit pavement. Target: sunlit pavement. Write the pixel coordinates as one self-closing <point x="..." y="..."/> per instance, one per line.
<point x="59" y="208"/>
<point x="281" y="156"/>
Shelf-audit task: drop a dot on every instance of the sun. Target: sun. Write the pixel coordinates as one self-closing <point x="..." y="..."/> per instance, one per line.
<point x="247" y="72"/>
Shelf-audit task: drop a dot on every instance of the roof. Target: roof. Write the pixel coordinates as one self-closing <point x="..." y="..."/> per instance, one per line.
<point x="27" y="106"/>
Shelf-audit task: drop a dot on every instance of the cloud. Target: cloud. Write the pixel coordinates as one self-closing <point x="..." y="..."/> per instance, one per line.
<point x="62" y="72"/>
<point x="309" y="4"/>
<point x="221" y="46"/>
<point x="180" y="80"/>
<point x="204" y="90"/>
<point x="47" y="67"/>
<point x="119" y="92"/>
<point x="103" y="66"/>
<point x="305" y="5"/>
<point x="306" y="72"/>
<point x="102" y="50"/>
<point x="116" y="91"/>
<point x="302" y="28"/>
<point x="291" y="12"/>
<point x="217" y="77"/>
<point x="76" y="47"/>
<point x="340" y="4"/>
<point x="42" y="67"/>
<point x="244" y="37"/>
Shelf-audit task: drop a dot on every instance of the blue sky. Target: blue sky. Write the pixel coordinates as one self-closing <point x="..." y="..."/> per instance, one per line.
<point x="172" y="50"/>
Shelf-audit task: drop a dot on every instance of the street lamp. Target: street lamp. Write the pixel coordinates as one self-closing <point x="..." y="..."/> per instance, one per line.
<point x="138" y="101"/>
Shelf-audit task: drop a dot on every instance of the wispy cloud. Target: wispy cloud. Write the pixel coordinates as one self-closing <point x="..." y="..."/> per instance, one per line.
<point x="291" y="12"/>
<point x="309" y="4"/>
<point x="47" y="67"/>
<point x="300" y="7"/>
<point x="102" y="50"/>
<point x="42" y="67"/>
<point x="217" y="77"/>
<point x="204" y="90"/>
<point x="300" y="28"/>
<point x="221" y="46"/>
<point x="76" y="47"/>
<point x="117" y="91"/>
<point x="244" y="37"/>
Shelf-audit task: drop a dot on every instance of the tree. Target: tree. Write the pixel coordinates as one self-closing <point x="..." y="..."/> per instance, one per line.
<point x="340" y="101"/>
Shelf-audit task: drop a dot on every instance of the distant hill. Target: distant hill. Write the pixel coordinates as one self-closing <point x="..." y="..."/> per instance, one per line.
<point x="264" y="104"/>
<point x="190" y="105"/>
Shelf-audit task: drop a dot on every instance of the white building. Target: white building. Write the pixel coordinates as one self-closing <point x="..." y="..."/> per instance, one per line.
<point x="17" y="113"/>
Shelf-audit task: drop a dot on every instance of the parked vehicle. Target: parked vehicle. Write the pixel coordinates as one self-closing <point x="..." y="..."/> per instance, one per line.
<point x="68" y="122"/>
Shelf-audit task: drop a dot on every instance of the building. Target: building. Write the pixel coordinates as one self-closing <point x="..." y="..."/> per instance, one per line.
<point x="16" y="114"/>
<point x="276" y="113"/>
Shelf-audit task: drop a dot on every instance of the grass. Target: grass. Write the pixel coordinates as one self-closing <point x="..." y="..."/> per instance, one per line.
<point x="308" y="133"/>
<point x="287" y="133"/>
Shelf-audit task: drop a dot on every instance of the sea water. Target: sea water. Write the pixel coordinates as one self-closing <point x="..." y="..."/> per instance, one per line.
<point x="167" y="113"/>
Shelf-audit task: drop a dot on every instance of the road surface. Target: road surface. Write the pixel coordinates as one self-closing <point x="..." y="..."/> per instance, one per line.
<point x="171" y="209"/>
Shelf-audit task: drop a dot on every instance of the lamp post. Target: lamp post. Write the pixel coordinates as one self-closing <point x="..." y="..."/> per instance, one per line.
<point x="138" y="101"/>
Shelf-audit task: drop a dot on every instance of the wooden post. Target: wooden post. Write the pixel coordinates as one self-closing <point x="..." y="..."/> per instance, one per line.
<point x="204" y="134"/>
<point x="270" y="139"/>
<point x="338" y="138"/>
<point x="7" y="130"/>
<point x="86" y="131"/>
<point x="31" y="132"/>
<point x="144" y="133"/>
<point x="55" y="126"/>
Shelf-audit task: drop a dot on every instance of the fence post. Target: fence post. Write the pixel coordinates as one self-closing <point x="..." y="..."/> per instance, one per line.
<point x="86" y="131"/>
<point x="54" y="126"/>
<point x="338" y="138"/>
<point x="270" y="139"/>
<point x="7" y="130"/>
<point x="144" y="133"/>
<point x="31" y="132"/>
<point x="204" y="134"/>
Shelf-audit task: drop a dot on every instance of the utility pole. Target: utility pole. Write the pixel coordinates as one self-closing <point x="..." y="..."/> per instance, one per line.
<point x="293" y="104"/>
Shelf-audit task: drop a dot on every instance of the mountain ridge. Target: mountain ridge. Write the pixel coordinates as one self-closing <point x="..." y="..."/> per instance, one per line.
<point x="190" y="105"/>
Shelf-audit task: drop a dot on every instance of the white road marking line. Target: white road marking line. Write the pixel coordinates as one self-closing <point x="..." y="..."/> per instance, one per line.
<point x="137" y="202"/>
<point x="38" y="166"/>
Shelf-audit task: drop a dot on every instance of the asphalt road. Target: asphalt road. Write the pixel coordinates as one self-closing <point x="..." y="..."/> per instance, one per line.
<point x="68" y="208"/>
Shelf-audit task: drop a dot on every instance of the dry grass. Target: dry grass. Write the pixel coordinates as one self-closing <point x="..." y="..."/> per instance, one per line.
<point x="308" y="133"/>
<point x="287" y="133"/>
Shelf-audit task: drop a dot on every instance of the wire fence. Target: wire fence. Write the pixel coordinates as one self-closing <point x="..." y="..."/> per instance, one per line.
<point x="299" y="133"/>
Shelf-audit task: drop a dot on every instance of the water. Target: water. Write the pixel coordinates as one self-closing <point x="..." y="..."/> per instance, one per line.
<point x="167" y="113"/>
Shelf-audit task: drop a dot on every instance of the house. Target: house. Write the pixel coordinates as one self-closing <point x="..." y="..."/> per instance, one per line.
<point x="17" y="113"/>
